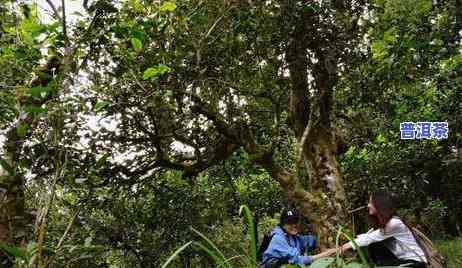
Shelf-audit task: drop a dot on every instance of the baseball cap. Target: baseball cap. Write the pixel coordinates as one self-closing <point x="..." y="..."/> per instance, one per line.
<point x="289" y="216"/>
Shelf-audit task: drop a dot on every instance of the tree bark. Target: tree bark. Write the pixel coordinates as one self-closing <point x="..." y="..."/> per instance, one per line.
<point x="12" y="215"/>
<point x="326" y="184"/>
<point x="312" y="121"/>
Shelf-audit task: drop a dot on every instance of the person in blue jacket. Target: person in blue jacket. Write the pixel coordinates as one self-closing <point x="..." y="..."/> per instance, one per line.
<point x="287" y="245"/>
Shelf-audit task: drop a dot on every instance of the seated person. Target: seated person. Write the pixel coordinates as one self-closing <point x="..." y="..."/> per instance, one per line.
<point x="390" y="242"/>
<point x="287" y="246"/>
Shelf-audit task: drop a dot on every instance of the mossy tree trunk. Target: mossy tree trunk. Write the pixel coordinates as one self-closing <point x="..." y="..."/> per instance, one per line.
<point x="13" y="217"/>
<point x="313" y="74"/>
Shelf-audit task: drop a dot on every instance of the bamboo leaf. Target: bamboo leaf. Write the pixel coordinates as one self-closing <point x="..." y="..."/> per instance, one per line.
<point x="221" y="262"/>
<point x="176" y="253"/>
<point x="253" y="243"/>
<point x="220" y="255"/>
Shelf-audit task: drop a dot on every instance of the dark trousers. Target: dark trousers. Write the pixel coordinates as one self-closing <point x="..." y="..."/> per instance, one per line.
<point x="5" y="262"/>
<point x="380" y="255"/>
<point x="273" y="263"/>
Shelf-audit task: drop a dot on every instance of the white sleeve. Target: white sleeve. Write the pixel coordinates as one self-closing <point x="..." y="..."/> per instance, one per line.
<point x="392" y="228"/>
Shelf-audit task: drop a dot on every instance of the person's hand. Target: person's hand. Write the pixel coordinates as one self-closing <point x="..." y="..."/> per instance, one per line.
<point x="330" y="252"/>
<point x="326" y="253"/>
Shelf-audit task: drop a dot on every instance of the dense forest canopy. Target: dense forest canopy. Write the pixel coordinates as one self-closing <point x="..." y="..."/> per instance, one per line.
<point x="125" y="123"/>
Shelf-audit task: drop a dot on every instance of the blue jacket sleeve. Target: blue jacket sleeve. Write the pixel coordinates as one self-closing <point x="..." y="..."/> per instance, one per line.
<point x="309" y="241"/>
<point x="279" y="248"/>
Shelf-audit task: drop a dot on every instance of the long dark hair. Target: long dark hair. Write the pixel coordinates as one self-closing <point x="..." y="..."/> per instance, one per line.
<point x="385" y="205"/>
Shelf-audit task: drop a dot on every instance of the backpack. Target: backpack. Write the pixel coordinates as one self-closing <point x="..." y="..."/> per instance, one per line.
<point x="434" y="258"/>
<point x="263" y="246"/>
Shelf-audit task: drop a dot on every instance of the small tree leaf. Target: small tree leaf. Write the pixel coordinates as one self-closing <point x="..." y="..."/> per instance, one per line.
<point x="22" y="129"/>
<point x="102" y="105"/>
<point x="162" y="69"/>
<point x="175" y="254"/>
<point x="39" y="91"/>
<point x="168" y="6"/>
<point x="101" y="161"/>
<point x="149" y="73"/>
<point x="32" y="109"/>
<point x="155" y="71"/>
<point x="136" y="43"/>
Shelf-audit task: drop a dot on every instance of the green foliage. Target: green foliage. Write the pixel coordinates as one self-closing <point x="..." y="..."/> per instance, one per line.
<point x="168" y="6"/>
<point x="452" y="250"/>
<point x="22" y="129"/>
<point x="408" y="75"/>
<point x="136" y="43"/>
<point x="101" y="105"/>
<point x="11" y="170"/>
<point x="35" y="109"/>
<point x="39" y="91"/>
<point x="13" y="251"/>
<point x="24" y="257"/>
<point x="153" y="72"/>
<point x="212" y="250"/>
<point x="379" y="50"/>
<point x="216" y="254"/>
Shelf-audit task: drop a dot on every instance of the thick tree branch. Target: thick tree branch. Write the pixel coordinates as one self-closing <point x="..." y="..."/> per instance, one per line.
<point x="203" y="108"/>
<point x="298" y="64"/>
